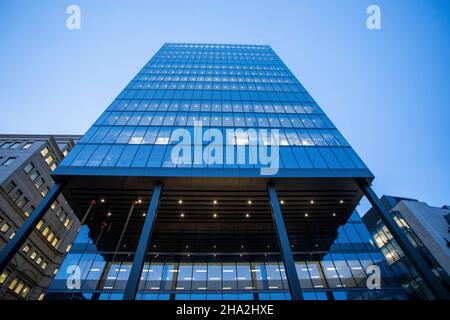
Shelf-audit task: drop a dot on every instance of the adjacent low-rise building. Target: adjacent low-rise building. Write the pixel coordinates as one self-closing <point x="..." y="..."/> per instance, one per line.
<point x="26" y="162"/>
<point x="427" y="228"/>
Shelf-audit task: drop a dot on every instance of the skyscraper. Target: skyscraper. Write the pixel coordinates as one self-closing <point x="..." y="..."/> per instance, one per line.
<point x="215" y="175"/>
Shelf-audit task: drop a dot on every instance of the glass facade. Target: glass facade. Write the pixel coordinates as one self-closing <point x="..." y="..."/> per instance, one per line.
<point x="223" y="87"/>
<point x="340" y="273"/>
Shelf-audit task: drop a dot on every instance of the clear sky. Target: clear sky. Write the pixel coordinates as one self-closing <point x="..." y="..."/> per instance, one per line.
<point x="388" y="90"/>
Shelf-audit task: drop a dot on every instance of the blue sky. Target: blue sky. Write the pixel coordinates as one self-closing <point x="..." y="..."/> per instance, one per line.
<point x="388" y="91"/>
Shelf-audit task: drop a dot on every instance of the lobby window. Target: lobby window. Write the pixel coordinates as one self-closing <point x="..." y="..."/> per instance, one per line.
<point x="27" y="145"/>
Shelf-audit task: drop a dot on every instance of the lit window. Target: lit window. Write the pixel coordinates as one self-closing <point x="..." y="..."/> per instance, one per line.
<point x="68" y="248"/>
<point x="26" y="248"/>
<point x="5" y="227"/>
<point x="13" y="283"/>
<point x="44" y="151"/>
<point x="49" y="159"/>
<point x="27" y="145"/>
<point x="33" y="255"/>
<point x="39" y="225"/>
<point x="4" y="276"/>
<point x="45" y="232"/>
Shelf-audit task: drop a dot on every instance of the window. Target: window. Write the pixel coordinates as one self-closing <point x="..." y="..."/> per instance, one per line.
<point x="19" y="287"/>
<point x="34" y="175"/>
<point x="33" y="255"/>
<point x="15" y="145"/>
<point x="4" y="276"/>
<point x="26" y="248"/>
<point x="49" y="159"/>
<point x="8" y="161"/>
<point x="39" y="183"/>
<point x="44" y="151"/>
<point x="22" y="202"/>
<point x="9" y="186"/>
<point x="27" y="145"/>
<point x="5" y="227"/>
<point x="28" y="168"/>
<point x="6" y="145"/>
<point x="53" y="167"/>
<point x="45" y="191"/>
<point x="39" y="225"/>
<point x="44" y="265"/>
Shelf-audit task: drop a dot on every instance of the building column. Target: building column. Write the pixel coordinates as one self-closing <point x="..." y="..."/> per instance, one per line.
<point x="28" y="226"/>
<point x="283" y="242"/>
<point x="144" y="240"/>
<point x="412" y="253"/>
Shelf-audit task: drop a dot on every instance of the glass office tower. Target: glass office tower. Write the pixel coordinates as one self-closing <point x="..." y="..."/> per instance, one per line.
<point x="215" y="175"/>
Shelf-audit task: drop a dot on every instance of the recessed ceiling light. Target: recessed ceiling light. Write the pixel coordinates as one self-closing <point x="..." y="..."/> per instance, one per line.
<point x="341" y="201"/>
<point x="306" y="214"/>
<point x="182" y="215"/>
<point x="215" y="201"/>
<point x="109" y="214"/>
<point x="180" y="201"/>
<point x="247" y="215"/>
<point x="312" y="201"/>
<point x="249" y="201"/>
<point x="144" y="214"/>
<point x="282" y="201"/>
<point x="215" y="215"/>
<point x="102" y="200"/>
<point x="334" y="214"/>
<point x="139" y="201"/>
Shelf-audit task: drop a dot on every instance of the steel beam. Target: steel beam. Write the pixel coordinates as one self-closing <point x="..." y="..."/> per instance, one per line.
<point x="144" y="240"/>
<point x="283" y="242"/>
